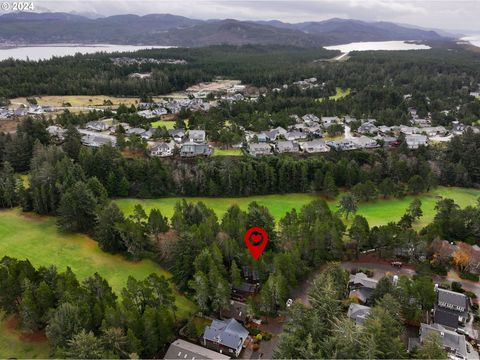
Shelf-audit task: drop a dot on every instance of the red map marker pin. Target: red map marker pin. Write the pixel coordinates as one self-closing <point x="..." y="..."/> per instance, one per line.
<point x="256" y="239"/>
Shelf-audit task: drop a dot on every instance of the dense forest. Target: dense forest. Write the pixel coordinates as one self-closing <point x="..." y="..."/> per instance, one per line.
<point x="438" y="71"/>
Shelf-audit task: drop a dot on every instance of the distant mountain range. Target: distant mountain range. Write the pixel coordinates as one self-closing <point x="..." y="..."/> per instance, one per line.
<point x="166" y="29"/>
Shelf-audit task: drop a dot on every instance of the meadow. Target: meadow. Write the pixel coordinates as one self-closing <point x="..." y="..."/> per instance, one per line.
<point x="36" y="238"/>
<point x="378" y="212"/>
<point x="227" y="152"/>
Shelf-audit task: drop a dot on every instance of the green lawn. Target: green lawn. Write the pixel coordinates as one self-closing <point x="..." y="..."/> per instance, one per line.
<point x="227" y="152"/>
<point x="168" y="124"/>
<point x="37" y="239"/>
<point x="378" y="212"/>
<point x="28" y="236"/>
<point x="340" y="93"/>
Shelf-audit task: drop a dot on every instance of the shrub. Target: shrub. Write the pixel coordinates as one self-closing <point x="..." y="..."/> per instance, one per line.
<point x="469" y="276"/>
<point x="471" y="294"/>
<point x="456" y="286"/>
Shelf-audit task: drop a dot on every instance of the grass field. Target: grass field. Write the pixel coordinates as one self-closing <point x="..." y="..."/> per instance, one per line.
<point x="37" y="239"/>
<point x="340" y="93"/>
<point x="168" y="124"/>
<point x="78" y="100"/>
<point x="378" y="213"/>
<point x="28" y="236"/>
<point x="227" y="152"/>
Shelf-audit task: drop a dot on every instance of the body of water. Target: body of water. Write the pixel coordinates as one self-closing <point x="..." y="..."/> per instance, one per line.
<point x="474" y="40"/>
<point x="378" y="45"/>
<point x="42" y="52"/>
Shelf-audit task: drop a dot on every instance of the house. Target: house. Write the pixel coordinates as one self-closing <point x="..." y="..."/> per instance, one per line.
<point x="259" y="149"/>
<point x="35" y="110"/>
<point x="149" y="133"/>
<point x="225" y="336"/>
<point x="295" y="135"/>
<point x="434" y="131"/>
<point x="415" y="141"/>
<point x="361" y="286"/>
<point x="409" y="130"/>
<point x="367" y="128"/>
<point x="286" y="147"/>
<point x="358" y="313"/>
<point x="181" y="349"/>
<point x="310" y="118"/>
<point x="177" y="134"/>
<point x="94" y="139"/>
<point x="455" y="344"/>
<point x="147" y="114"/>
<point x="388" y="141"/>
<point x="135" y="131"/>
<point x="421" y="122"/>
<point x="364" y="142"/>
<point x="261" y="137"/>
<point x="244" y="291"/>
<point x="343" y="145"/>
<point x="197" y="136"/>
<point x="458" y="128"/>
<point x="329" y="120"/>
<point x="5" y="113"/>
<point x="315" y="146"/>
<point x="189" y="149"/>
<point x="56" y="131"/>
<point x="162" y="149"/>
<point x="159" y="111"/>
<point x="98" y="125"/>
<point x="451" y="308"/>
<point x="237" y="310"/>
<point x="315" y="130"/>
<point x="20" y="111"/>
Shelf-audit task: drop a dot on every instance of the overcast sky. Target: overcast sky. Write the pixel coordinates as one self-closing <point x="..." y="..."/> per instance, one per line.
<point x="443" y="14"/>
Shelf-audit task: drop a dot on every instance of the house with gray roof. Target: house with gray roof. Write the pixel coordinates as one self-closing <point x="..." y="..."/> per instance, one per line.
<point x="343" y="145"/>
<point x="310" y="118"/>
<point x="94" y="139"/>
<point x="98" y="125"/>
<point x="295" y="135"/>
<point x="190" y="149"/>
<point x="329" y="120"/>
<point x="315" y="146"/>
<point x="415" y="141"/>
<point x="361" y="286"/>
<point x="451" y="308"/>
<point x="162" y="149"/>
<point x="364" y="142"/>
<point x="454" y="343"/>
<point x="197" y="136"/>
<point x="286" y="147"/>
<point x="259" y="149"/>
<point x="181" y="349"/>
<point x="367" y="128"/>
<point x="225" y="336"/>
<point x="358" y="313"/>
<point x="177" y="134"/>
<point x="136" y="131"/>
